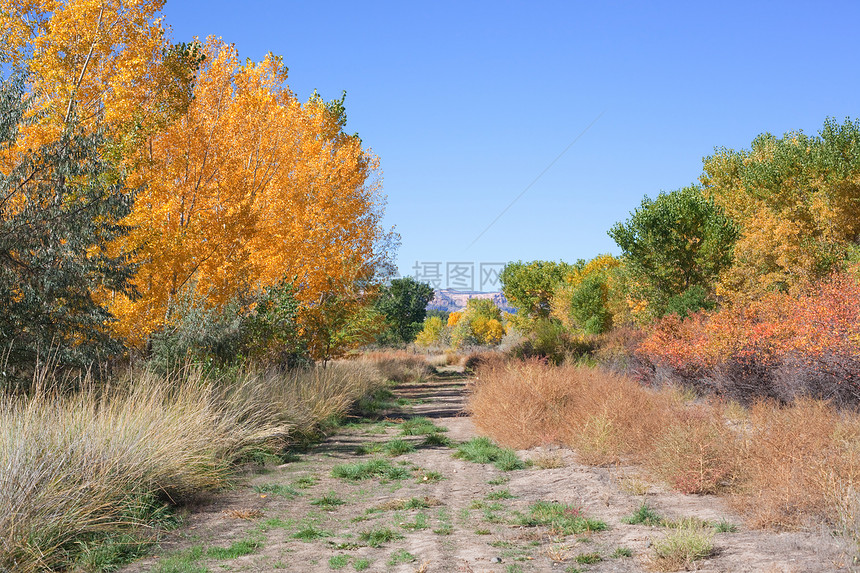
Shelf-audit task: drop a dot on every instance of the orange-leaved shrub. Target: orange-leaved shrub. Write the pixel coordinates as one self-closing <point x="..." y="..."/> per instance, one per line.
<point x="781" y="346"/>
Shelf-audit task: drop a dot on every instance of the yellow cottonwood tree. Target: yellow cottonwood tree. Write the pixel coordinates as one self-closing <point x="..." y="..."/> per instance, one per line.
<point x="797" y="202"/>
<point x="99" y="61"/>
<point x="247" y="187"/>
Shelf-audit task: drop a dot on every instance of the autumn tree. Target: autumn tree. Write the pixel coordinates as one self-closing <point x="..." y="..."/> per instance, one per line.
<point x="108" y="62"/>
<point x="675" y="245"/>
<point x="59" y="206"/>
<point x="797" y="202"/>
<point x="248" y="186"/>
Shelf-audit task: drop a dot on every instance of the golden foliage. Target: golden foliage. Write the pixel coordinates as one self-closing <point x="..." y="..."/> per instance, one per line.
<point x="248" y="186"/>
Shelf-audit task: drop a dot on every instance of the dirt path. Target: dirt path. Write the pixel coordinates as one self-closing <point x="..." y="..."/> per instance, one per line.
<point x="425" y="510"/>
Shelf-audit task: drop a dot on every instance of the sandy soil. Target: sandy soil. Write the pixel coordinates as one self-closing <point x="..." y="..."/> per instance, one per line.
<point x="460" y="529"/>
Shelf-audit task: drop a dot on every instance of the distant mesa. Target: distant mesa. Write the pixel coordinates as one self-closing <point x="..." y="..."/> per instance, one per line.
<point x="451" y="300"/>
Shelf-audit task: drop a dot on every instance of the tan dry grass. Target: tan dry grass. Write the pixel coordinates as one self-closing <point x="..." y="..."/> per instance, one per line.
<point x="399" y="365"/>
<point x="783" y="467"/>
<point x="74" y="465"/>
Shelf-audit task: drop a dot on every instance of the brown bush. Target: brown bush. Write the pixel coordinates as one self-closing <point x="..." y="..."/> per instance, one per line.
<point x="783" y="466"/>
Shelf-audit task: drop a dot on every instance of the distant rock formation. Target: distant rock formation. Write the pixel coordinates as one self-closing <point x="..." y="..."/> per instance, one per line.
<point x="451" y="300"/>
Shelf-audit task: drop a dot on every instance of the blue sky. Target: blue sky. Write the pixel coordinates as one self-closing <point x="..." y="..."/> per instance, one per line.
<point x="466" y="103"/>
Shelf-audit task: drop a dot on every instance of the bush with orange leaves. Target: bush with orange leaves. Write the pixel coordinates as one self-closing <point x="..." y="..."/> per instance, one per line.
<point x="780" y="346"/>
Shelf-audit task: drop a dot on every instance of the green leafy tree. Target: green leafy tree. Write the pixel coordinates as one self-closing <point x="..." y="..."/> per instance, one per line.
<point x="403" y="303"/>
<point x="60" y="205"/>
<point x="676" y="242"/>
<point x="529" y="287"/>
<point x="588" y="305"/>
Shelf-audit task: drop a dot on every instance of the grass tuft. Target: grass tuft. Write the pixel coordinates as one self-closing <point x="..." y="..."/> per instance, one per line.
<point x="560" y="517"/>
<point x="483" y="451"/>
<point x="376" y="468"/>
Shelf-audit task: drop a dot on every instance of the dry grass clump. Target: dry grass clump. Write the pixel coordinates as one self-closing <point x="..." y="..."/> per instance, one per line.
<point x="74" y="466"/>
<point x="601" y="414"/>
<point x="783" y="466"/>
<point x="399" y="366"/>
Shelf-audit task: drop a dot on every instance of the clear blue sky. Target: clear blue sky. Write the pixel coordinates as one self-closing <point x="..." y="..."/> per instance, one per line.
<point x="466" y="103"/>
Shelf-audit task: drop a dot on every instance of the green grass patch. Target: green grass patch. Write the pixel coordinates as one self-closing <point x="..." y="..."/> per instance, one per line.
<point x="401" y="556"/>
<point x="644" y="516"/>
<point x="429" y="476"/>
<point x="564" y="518"/>
<point x="420" y="522"/>
<point x="305" y="482"/>
<point x="622" y="552"/>
<point x="588" y="558"/>
<point x="683" y="546"/>
<point x="723" y="526"/>
<point x="378" y="536"/>
<point x="436" y="441"/>
<point x="397" y="447"/>
<point x="338" y="561"/>
<point x="182" y="562"/>
<point x="500" y="480"/>
<point x="236" y="549"/>
<point x="361" y="564"/>
<point x="420" y="426"/>
<point x="275" y="523"/>
<point x="279" y="489"/>
<point x="376" y="468"/>
<point x="484" y="451"/>
<point x="328" y="501"/>
<point x="500" y="494"/>
<point x="311" y="533"/>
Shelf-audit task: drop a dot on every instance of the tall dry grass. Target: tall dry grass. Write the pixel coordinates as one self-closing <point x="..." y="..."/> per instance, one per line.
<point x="399" y="365"/>
<point x="74" y="466"/>
<point x="782" y="466"/>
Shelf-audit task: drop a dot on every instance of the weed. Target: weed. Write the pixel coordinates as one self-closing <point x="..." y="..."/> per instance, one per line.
<point x="361" y="564"/>
<point x="378" y="536"/>
<point x="622" y="552"/>
<point x="483" y="451"/>
<point x="564" y="518"/>
<point x="366" y="470"/>
<point x="328" y="501"/>
<point x="338" y="561"/>
<point x="500" y="480"/>
<point x="500" y="494"/>
<point x="444" y="529"/>
<point x="482" y="532"/>
<point x="643" y="516"/>
<point x="401" y="556"/>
